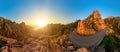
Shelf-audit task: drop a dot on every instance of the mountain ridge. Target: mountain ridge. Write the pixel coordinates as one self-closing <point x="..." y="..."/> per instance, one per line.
<point x="13" y="29"/>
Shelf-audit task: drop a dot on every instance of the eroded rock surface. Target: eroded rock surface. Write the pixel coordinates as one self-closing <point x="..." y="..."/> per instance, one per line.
<point x="92" y="24"/>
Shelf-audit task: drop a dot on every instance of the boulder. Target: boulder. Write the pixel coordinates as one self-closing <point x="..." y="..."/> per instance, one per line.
<point x="82" y="50"/>
<point x="70" y="48"/>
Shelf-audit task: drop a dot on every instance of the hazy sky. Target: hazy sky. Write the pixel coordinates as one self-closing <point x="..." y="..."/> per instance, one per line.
<point x="56" y="11"/>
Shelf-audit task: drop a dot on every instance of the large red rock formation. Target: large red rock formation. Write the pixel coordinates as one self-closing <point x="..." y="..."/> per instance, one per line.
<point x="91" y="25"/>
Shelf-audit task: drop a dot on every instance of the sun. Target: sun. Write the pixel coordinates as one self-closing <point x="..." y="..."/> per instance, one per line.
<point x="41" y="22"/>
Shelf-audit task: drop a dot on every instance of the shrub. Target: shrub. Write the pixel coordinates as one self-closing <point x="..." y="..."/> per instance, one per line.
<point x="109" y="43"/>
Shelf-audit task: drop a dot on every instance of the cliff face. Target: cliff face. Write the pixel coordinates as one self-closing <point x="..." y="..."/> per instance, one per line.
<point x="91" y="25"/>
<point x="13" y="29"/>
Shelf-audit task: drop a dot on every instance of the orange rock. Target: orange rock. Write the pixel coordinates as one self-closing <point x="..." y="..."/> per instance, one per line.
<point x="11" y="41"/>
<point x="14" y="50"/>
<point x="82" y="50"/>
<point x="4" y="49"/>
<point x="91" y="25"/>
<point x="8" y="40"/>
<point x="70" y="48"/>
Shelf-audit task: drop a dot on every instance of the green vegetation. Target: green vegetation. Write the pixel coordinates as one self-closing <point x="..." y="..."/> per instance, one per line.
<point x="109" y="43"/>
<point x="114" y="24"/>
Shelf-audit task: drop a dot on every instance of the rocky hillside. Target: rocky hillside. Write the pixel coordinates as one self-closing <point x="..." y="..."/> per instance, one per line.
<point x="13" y="29"/>
<point x="91" y="24"/>
<point x="54" y="37"/>
<point x="114" y="25"/>
<point x="16" y="37"/>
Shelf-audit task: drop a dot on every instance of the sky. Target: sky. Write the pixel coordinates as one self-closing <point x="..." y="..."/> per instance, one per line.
<point x="56" y="11"/>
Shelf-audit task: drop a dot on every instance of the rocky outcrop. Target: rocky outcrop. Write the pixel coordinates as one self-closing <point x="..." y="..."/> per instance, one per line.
<point x="35" y="44"/>
<point x="8" y="44"/>
<point x="14" y="30"/>
<point x="9" y="41"/>
<point x="91" y="25"/>
<point x="110" y="29"/>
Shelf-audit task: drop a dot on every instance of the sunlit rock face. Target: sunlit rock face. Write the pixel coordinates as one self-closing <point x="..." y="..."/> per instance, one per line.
<point x="91" y="25"/>
<point x="14" y="30"/>
<point x="110" y="29"/>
